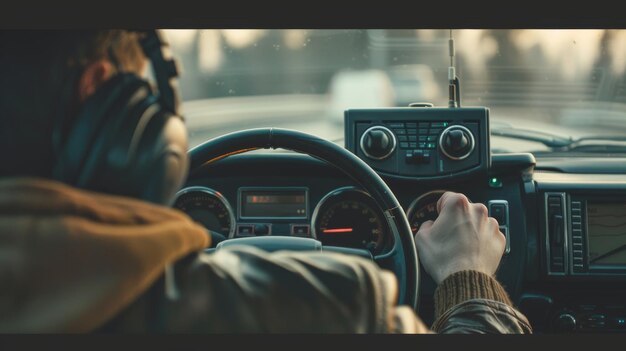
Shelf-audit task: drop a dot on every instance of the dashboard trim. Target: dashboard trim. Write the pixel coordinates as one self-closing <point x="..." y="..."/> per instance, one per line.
<point x="577" y="179"/>
<point x="565" y="234"/>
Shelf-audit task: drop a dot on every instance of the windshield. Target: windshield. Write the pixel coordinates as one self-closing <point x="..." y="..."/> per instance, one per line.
<point x="569" y="83"/>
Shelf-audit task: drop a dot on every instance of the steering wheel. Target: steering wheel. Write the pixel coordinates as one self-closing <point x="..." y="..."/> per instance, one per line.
<point x="402" y="259"/>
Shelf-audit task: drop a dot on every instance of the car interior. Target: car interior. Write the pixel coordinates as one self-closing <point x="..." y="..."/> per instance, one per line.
<point x="344" y="140"/>
<point x="309" y="149"/>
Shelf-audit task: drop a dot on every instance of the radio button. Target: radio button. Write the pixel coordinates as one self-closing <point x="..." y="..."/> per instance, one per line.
<point x="261" y="229"/>
<point x="245" y="230"/>
<point x="498" y="213"/>
<point x="499" y="210"/>
<point x="300" y="229"/>
<point x="587" y="308"/>
<point x="417" y="156"/>
<point x="596" y="321"/>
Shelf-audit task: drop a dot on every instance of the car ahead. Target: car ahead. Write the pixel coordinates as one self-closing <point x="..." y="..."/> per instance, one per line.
<point x="359" y="89"/>
<point x="413" y="84"/>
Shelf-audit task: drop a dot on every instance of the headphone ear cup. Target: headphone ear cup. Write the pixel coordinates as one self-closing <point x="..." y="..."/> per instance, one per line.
<point x="124" y="143"/>
<point x="87" y="138"/>
<point x="163" y="163"/>
<point x="157" y="162"/>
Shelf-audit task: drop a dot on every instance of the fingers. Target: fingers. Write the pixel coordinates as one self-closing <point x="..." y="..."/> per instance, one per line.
<point x="425" y="227"/>
<point x="499" y="236"/>
<point x="452" y="200"/>
<point x="480" y="210"/>
<point x="422" y="234"/>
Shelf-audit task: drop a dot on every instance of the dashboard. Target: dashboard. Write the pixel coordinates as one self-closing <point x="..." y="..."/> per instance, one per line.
<point x="564" y="265"/>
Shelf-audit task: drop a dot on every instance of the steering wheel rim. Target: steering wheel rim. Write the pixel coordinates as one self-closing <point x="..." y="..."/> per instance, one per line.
<point x="404" y="256"/>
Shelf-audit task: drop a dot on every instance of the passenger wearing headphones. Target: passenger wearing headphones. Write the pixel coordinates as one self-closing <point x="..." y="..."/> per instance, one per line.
<point x="91" y="159"/>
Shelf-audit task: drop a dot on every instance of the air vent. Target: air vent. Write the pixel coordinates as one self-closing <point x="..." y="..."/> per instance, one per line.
<point x="577" y="237"/>
<point x="556" y="236"/>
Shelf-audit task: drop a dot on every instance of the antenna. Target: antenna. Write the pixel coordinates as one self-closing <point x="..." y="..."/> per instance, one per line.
<point x="453" y="81"/>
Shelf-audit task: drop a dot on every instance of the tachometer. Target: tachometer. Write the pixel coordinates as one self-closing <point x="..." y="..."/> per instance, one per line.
<point x="349" y="217"/>
<point x="423" y="209"/>
<point x="207" y="207"/>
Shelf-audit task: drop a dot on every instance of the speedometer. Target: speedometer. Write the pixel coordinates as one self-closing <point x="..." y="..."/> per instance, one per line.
<point x="207" y="207"/>
<point x="349" y="217"/>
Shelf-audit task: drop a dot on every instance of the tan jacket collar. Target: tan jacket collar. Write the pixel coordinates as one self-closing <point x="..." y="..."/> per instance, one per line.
<point x="72" y="259"/>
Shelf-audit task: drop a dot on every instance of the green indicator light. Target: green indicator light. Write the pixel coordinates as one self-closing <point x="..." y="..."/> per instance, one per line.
<point x="445" y="124"/>
<point x="495" y="182"/>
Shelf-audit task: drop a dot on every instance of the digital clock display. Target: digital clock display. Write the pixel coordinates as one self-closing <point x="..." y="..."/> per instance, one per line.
<point x="274" y="203"/>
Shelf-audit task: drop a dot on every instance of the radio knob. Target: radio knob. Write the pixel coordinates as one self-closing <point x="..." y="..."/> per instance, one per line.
<point x="378" y="143"/>
<point x="565" y="323"/>
<point x="456" y="142"/>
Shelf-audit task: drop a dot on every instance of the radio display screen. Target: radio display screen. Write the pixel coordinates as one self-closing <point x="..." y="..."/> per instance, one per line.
<point x="606" y="228"/>
<point x="275" y="203"/>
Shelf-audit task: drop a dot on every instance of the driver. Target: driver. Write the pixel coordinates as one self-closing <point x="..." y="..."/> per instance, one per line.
<point x="75" y="260"/>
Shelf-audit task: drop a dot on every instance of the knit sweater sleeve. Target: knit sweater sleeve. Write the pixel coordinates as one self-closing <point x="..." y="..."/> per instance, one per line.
<point x="467" y="285"/>
<point x="474" y="302"/>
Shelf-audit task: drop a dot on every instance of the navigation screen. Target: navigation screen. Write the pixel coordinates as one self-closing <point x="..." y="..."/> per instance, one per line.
<point x="607" y="233"/>
<point x="273" y="203"/>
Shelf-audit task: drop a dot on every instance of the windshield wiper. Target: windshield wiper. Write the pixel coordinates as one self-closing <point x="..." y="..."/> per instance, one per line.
<point x="599" y="143"/>
<point x="547" y="139"/>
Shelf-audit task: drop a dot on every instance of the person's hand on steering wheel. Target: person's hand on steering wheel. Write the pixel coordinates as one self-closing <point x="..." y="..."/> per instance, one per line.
<point x="463" y="237"/>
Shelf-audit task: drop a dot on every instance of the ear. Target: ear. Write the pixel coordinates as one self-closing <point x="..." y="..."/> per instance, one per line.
<point x="92" y="77"/>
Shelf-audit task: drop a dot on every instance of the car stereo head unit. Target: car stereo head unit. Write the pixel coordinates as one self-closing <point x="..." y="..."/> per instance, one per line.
<point x="585" y="235"/>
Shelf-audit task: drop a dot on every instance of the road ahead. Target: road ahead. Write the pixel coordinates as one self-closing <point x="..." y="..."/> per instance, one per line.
<point x="210" y="118"/>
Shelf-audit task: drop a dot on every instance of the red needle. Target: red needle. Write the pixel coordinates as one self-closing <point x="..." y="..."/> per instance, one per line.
<point x="338" y="230"/>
